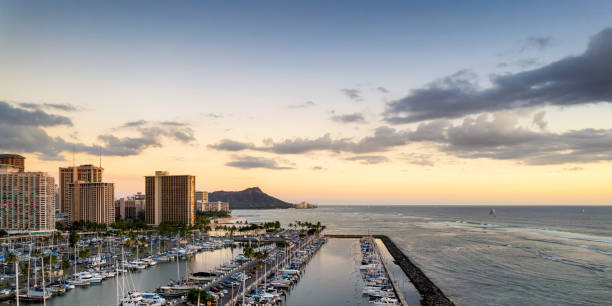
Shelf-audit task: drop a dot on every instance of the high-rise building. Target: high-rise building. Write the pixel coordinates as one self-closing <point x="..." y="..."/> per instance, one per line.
<point x="13" y="160"/>
<point x="212" y="206"/>
<point x="130" y="207"/>
<point x="94" y="202"/>
<point x="169" y="198"/>
<point x="201" y="196"/>
<point x="70" y="175"/>
<point x="27" y="202"/>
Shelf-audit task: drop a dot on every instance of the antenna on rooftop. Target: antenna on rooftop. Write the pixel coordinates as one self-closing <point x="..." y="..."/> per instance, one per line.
<point x="73" y="163"/>
<point x="100" y="156"/>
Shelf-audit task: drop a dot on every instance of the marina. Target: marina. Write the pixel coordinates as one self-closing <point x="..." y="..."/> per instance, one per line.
<point x="261" y="270"/>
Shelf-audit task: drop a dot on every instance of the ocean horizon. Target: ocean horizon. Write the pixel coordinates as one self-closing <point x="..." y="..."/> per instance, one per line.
<point x="521" y="255"/>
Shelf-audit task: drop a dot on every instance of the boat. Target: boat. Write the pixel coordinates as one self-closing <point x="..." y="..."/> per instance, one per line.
<point x="35" y="295"/>
<point x="6" y="294"/>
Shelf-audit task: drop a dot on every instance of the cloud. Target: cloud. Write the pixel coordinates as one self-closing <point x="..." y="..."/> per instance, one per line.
<point x="352" y="93"/>
<point x="495" y="137"/>
<point x="231" y="145"/>
<point x="418" y="159"/>
<point x="349" y="118"/>
<point x="538" y="119"/>
<point x="369" y="159"/>
<point x="502" y="138"/>
<point x="306" y="104"/>
<point x="537" y="42"/>
<point x="214" y="116"/>
<point x="11" y="115"/>
<point x="173" y="123"/>
<point x="61" y="107"/>
<point x="574" y="169"/>
<point x="382" y="89"/>
<point x="251" y="162"/>
<point x="521" y="63"/>
<point x="318" y="168"/>
<point x="133" y="124"/>
<point x="574" y="80"/>
<point x="22" y="131"/>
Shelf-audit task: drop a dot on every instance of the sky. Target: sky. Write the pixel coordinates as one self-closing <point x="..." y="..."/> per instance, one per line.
<point x="333" y="102"/>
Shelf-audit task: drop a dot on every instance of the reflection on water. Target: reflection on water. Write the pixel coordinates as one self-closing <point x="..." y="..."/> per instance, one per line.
<point x="148" y="280"/>
<point x="523" y="256"/>
<point x="332" y="277"/>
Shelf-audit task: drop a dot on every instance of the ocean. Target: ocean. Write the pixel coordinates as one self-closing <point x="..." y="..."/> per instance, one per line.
<point x="521" y="255"/>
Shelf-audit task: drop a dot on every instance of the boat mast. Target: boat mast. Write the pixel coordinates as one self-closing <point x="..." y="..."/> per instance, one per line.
<point x="42" y="263"/>
<point x="17" y="280"/>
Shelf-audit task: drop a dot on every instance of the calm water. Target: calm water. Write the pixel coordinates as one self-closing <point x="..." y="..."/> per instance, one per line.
<point x="144" y="281"/>
<point x="332" y="277"/>
<point x="521" y="256"/>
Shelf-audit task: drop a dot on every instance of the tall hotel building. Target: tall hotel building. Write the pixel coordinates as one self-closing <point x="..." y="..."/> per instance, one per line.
<point x="169" y="198"/>
<point x="13" y="160"/>
<point x="83" y="195"/>
<point x="27" y="202"/>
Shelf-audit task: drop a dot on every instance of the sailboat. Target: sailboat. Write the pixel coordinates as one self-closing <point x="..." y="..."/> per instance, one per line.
<point x="492" y="212"/>
<point x="35" y="293"/>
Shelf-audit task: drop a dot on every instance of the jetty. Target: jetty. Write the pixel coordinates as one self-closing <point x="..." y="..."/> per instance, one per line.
<point x="430" y="293"/>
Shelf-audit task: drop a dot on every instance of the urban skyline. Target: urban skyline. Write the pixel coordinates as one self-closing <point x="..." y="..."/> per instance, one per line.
<point x="324" y="103"/>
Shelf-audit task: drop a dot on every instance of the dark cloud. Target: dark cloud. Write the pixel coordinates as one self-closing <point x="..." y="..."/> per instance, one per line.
<point x="231" y="145"/>
<point x="521" y="63"/>
<point x="349" y="118"/>
<point x="306" y="104"/>
<point x="502" y="138"/>
<point x="22" y="132"/>
<point x="574" y="80"/>
<point x="134" y="123"/>
<point x="382" y="89"/>
<point x="251" y="162"/>
<point x="11" y="115"/>
<point x="537" y="42"/>
<point x="369" y="159"/>
<point x="352" y="93"/>
<point x="538" y="119"/>
<point x="497" y="137"/>
<point x="173" y="123"/>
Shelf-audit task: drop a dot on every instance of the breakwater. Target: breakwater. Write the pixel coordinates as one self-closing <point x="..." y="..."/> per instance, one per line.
<point x="431" y="294"/>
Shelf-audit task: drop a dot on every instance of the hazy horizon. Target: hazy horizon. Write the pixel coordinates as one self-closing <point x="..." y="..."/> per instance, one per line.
<point x="471" y="103"/>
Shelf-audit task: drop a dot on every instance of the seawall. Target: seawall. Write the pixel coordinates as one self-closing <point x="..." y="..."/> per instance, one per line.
<point x="431" y="294"/>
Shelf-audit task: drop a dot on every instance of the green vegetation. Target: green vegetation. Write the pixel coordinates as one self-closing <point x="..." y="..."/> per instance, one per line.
<point x="3" y="233"/>
<point x="88" y="226"/>
<point x="202" y="295"/>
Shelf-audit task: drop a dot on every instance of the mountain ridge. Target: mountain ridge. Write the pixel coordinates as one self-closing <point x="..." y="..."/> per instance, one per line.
<point x="250" y="198"/>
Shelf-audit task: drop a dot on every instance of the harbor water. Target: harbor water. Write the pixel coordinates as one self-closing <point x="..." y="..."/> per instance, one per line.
<point x="536" y="255"/>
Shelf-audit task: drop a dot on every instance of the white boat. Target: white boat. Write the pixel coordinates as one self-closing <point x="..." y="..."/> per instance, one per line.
<point x="143" y="299"/>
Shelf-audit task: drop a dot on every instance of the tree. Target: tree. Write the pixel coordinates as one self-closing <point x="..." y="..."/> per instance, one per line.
<point x="59" y="226"/>
<point x="3" y="233"/>
<point x="65" y="265"/>
<point x="74" y="238"/>
<point x="202" y="295"/>
<point x="84" y="253"/>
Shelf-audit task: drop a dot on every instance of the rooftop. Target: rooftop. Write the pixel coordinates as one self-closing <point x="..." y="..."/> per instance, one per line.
<point x="11" y="155"/>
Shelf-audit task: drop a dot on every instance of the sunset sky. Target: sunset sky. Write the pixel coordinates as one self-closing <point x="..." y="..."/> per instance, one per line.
<point x="333" y="102"/>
